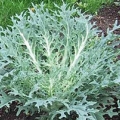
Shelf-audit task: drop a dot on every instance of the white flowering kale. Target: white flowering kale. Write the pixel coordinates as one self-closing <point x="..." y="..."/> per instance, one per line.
<point x="54" y="62"/>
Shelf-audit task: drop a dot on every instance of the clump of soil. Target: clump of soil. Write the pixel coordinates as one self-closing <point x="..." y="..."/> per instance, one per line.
<point x="105" y="19"/>
<point x="10" y="113"/>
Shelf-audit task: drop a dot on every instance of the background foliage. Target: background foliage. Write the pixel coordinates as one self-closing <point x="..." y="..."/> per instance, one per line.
<point x="11" y="7"/>
<point x="93" y="6"/>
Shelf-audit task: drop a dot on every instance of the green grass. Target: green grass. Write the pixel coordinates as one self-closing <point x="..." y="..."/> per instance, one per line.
<point x="11" y="7"/>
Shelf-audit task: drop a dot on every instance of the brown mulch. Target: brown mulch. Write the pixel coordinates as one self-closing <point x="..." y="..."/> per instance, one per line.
<point x="105" y="18"/>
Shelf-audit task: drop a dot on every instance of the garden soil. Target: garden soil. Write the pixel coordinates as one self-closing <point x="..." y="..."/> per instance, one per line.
<point x="104" y="19"/>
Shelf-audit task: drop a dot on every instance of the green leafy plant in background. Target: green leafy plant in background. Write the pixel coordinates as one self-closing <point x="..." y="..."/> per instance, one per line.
<point x="55" y="64"/>
<point x="92" y="6"/>
<point x="50" y="3"/>
<point x="9" y="8"/>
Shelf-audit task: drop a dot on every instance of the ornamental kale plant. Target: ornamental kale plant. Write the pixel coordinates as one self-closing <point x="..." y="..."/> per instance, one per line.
<point x="55" y="63"/>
